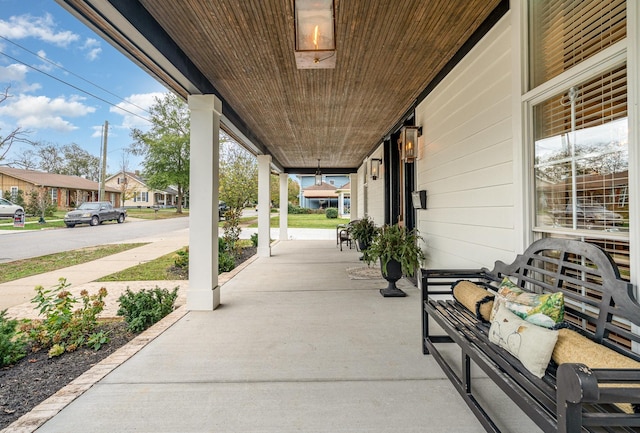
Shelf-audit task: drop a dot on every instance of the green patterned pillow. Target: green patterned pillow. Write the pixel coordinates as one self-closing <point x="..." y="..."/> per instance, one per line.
<point x="544" y="310"/>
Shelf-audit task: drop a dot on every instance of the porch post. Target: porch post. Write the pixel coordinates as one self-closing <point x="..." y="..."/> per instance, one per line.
<point x="355" y="211"/>
<point x="264" y="206"/>
<point x="341" y="204"/>
<point x="204" y="292"/>
<point x="284" y="206"/>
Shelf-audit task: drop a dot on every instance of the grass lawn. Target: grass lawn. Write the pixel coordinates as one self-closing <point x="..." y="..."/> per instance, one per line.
<point x="157" y="269"/>
<point x="38" y="265"/>
<point x="307" y="221"/>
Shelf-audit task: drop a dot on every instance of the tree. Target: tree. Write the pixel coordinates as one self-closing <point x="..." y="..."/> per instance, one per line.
<point x="79" y="162"/>
<point x="293" y="190"/>
<point x="165" y="147"/>
<point x="238" y="174"/>
<point x="16" y="135"/>
<point x="127" y="189"/>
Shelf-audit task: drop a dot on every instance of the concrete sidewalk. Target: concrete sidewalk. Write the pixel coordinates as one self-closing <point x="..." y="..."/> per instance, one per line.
<point x="297" y="345"/>
<point x="16" y="295"/>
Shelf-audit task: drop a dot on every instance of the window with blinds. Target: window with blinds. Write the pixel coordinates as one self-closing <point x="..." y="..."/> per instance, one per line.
<point x="581" y="156"/>
<point x="563" y="33"/>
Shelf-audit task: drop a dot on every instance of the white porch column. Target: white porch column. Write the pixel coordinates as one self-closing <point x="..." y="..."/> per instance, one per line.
<point x="284" y="206"/>
<point x="341" y="204"/>
<point x="204" y="292"/>
<point x="354" y="196"/>
<point x="264" y="206"/>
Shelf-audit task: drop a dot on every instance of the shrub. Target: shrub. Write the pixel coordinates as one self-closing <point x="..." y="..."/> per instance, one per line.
<point x="331" y="212"/>
<point x="254" y="239"/>
<point x="12" y="343"/>
<point x="62" y="328"/>
<point x="297" y="210"/>
<point x="181" y="258"/>
<point x="226" y="262"/>
<point x="146" y="307"/>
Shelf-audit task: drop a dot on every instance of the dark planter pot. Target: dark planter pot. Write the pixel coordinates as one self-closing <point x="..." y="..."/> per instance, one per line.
<point x="362" y="245"/>
<point x="394" y="273"/>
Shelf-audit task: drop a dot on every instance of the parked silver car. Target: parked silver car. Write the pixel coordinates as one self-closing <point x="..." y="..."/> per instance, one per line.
<point x="8" y="209"/>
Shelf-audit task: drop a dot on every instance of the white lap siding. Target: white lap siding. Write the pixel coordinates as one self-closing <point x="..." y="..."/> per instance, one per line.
<point x="466" y="159"/>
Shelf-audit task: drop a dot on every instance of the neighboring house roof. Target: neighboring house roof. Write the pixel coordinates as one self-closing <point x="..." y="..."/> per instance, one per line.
<point x="324" y="190"/>
<point x="345" y="188"/>
<point x="140" y="180"/>
<point x="52" y="180"/>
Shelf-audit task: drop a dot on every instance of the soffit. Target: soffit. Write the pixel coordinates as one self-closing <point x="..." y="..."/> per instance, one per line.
<point x="387" y="54"/>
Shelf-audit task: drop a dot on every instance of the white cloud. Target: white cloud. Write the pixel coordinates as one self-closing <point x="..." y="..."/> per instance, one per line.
<point x="92" y="48"/>
<point x="15" y="77"/>
<point x="42" y="28"/>
<point x="136" y="104"/>
<point x="42" y="112"/>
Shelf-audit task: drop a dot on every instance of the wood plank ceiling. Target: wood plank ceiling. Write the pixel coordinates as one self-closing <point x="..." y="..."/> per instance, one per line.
<point x="388" y="51"/>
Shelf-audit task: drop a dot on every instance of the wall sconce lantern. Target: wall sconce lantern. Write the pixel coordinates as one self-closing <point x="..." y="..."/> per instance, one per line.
<point x="315" y="34"/>
<point x="409" y="142"/>
<point x="375" y="168"/>
<point x="318" y="174"/>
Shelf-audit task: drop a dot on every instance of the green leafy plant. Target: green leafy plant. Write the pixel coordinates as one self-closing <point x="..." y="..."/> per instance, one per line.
<point x="331" y="212"/>
<point x="231" y="230"/>
<point x="146" y="307"/>
<point x="12" y="342"/>
<point x="364" y="231"/>
<point x="181" y="258"/>
<point x="226" y="262"/>
<point x="396" y="243"/>
<point x="63" y="329"/>
<point x="254" y="239"/>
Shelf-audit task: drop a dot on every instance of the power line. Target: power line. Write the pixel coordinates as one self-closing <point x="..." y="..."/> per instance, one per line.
<point x="74" y="86"/>
<point x="71" y="72"/>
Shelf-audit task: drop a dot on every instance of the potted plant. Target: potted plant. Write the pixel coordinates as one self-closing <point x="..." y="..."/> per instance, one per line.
<point x="363" y="231"/>
<point x="399" y="254"/>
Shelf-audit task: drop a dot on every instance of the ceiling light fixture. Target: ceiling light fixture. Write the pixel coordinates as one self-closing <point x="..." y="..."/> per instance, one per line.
<point x="318" y="174"/>
<point x="315" y="34"/>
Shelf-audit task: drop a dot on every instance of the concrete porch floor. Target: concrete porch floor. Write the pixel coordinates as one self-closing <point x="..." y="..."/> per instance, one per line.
<point x="296" y="346"/>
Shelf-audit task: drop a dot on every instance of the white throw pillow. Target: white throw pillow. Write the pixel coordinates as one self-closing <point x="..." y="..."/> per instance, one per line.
<point x="531" y="344"/>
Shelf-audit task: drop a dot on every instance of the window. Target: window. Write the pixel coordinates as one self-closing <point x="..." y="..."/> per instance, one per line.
<point x="579" y="130"/>
<point x="566" y="32"/>
<point x="141" y="196"/>
<point x="14" y="194"/>
<point x="54" y="195"/>
<point x="581" y="169"/>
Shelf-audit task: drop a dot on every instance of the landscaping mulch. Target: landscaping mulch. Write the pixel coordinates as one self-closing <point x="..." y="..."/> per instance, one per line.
<point x="36" y="376"/>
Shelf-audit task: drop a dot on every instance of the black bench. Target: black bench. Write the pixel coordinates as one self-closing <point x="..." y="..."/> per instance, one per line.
<point x="598" y="304"/>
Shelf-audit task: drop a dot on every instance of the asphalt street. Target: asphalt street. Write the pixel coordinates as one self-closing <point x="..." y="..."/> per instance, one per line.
<point x="15" y="245"/>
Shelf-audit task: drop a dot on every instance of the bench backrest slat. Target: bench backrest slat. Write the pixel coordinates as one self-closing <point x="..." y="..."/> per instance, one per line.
<point x="596" y="298"/>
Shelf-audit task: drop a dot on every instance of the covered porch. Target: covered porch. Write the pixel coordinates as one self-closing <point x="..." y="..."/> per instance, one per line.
<point x="295" y="346"/>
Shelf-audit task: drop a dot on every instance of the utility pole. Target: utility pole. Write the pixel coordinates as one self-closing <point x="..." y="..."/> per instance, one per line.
<point x="103" y="169"/>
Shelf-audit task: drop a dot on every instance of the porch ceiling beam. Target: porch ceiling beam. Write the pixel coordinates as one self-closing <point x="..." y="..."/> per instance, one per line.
<point x="327" y="170"/>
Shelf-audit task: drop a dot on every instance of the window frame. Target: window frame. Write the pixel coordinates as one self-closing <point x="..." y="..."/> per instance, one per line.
<point x="609" y="58"/>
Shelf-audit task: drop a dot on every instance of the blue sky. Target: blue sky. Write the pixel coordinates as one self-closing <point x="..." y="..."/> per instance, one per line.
<point x="38" y="35"/>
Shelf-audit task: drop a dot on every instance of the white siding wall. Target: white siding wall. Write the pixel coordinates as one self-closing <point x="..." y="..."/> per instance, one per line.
<point x="362" y="190"/>
<point x="466" y="159"/>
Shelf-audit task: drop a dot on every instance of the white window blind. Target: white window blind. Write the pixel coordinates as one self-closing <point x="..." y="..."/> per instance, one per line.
<point x="563" y="33"/>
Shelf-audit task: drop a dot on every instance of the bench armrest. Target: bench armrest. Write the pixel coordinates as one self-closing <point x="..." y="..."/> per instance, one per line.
<point x="577" y="384"/>
<point x="438" y="281"/>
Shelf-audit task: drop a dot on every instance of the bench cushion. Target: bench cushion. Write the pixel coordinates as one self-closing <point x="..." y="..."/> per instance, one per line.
<point x="531" y="344"/>
<point x="474" y="298"/>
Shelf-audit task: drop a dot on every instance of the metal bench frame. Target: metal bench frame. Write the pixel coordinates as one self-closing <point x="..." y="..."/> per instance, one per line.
<point x="570" y="398"/>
